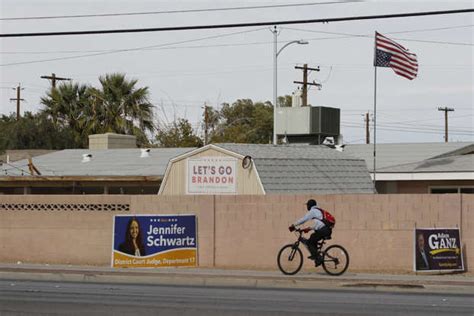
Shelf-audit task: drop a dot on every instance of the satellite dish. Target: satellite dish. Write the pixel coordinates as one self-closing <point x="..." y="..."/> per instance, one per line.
<point x="246" y="162"/>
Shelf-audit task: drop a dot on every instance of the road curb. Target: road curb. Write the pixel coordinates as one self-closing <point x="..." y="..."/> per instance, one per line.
<point x="231" y="280"/>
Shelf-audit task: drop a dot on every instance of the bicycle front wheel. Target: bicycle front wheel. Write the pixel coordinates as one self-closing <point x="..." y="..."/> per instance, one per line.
<point x="290" y="259"/>
<point x="336" y="260"/>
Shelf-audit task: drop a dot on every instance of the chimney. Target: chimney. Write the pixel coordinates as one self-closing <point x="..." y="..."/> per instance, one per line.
<point x="112" y="141"/>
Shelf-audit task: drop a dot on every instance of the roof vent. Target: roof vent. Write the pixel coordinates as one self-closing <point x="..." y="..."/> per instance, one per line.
<point x="145" y="153"/>
<point x="339" y="146"/>
<point x="86" y="157"/>
<point x="329" y="141"/>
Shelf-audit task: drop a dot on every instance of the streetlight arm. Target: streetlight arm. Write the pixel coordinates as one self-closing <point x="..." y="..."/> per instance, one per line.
<point x="284" y="46"/>
<point x="289" y="43"/>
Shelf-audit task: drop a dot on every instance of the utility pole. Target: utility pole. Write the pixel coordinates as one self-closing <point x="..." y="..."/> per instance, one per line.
<point x="445" y="110"/>
<point x="53" y="79"/>
<point x="206" y="124"/>
<point x="18" y="99"/>
<point x="367" y="131"/>
<point x="305" y="82"/>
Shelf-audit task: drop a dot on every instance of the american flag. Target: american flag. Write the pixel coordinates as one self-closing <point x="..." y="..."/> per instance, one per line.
<point x="391" y="54"/>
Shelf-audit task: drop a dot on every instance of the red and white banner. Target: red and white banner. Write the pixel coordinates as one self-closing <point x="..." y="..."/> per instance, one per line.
<point x="211" y="175"/>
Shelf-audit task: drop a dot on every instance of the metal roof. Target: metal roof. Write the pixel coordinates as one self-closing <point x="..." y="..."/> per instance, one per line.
<point x="306" y="169"/>
<point x="104" y="162"/>
<point x="464" y="163"/>
<point x="397" y="154"/>
<point x="294" y="151"/>
<point x="282" y="169"/>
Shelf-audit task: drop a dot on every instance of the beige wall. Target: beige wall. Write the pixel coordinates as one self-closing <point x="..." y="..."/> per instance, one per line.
<point x="233" y="231"/>
<point x="248" y="181"/>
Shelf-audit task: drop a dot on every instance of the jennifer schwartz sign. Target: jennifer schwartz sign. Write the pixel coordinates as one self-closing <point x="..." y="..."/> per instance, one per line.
<point x="437" y="249"/>
<point x="208" y="175"/>
<point x="154" y="241"/>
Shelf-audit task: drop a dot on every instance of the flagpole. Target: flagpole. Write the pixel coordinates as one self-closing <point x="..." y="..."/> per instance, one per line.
<point x="384" y="50"/>
<point x="375" y="111"/>
<point x="375" y="125"/>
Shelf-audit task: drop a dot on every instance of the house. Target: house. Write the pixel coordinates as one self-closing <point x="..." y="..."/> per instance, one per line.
<point x="420" y="167"/>
<point x="89" y="171"/>
<point x="258" y="169"/>
<point x="216" y="169"/>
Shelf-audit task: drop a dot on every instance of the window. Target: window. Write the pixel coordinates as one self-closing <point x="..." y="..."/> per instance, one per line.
<point x="52" y="190"/>
<point x="133" y="190"/>
<point x="441" y="190"/>
<point x="444" y="190"/>
<point x="90" y="190"/>
<point x="10" y="190"/>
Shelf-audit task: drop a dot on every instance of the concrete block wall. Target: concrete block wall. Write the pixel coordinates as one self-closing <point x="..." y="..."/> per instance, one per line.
<point x="467" y="233"/>
<point x="234" y="231"/>
<point x="56" y="236"/>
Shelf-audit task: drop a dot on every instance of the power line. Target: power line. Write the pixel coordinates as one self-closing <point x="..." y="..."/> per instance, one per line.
<point x="179" y="11"/>
<point x="433" y="29"/>
<point x="397" y="32"/>
<point x="147" y="49"/>
<point x="346" y="35"/>
<point x="214" y="46"/>
<point x="239" y="25"/>
<point x="414" y="128"/>
<point x="405" y="130"/>
<point x="132" y="49"/>
<point x="390" y="119"/>
<point x="351" y="35"/>
<point x="414" y="125"/>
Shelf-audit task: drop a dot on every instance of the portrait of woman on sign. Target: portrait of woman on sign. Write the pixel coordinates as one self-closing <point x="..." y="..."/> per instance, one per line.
<point x="133" y="244"/>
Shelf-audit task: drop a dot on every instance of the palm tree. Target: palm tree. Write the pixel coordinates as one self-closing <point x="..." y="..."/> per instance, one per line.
<point x="66" y="105"/>
<point x="122" y="106"/>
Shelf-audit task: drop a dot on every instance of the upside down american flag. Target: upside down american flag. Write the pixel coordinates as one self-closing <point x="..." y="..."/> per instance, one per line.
<point x="389" y="53"/>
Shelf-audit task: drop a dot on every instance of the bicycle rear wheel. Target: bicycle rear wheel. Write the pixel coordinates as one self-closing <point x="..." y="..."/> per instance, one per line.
<point x="290" y="259"/>
<point x="336" y="260"/>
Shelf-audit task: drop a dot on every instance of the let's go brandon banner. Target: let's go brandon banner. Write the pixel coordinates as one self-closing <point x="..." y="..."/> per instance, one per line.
<point x="147" y="241"/>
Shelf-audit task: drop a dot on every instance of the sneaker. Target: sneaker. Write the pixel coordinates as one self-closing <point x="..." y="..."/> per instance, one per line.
<point x="312" y="257"/>
<point x="318" y="261"/>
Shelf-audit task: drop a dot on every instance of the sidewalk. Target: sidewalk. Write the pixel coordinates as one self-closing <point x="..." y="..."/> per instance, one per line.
<point x="317" y="279"/>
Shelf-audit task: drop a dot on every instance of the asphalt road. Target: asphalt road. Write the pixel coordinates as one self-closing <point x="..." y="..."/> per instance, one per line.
<point x="67" y="298"/>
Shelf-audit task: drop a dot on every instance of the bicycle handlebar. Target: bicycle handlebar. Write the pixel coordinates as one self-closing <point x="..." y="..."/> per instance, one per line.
<point x="298" y="230"/>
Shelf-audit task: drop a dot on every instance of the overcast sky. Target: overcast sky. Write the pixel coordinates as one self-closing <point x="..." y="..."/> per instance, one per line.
<point x="184" y="69"/>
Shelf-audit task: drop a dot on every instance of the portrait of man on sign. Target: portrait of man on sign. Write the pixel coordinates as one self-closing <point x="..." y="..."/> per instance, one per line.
<point x="422" y="253"/>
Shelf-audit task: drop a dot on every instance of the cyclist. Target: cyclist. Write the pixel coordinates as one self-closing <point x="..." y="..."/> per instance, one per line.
<point x="322" y="228"/>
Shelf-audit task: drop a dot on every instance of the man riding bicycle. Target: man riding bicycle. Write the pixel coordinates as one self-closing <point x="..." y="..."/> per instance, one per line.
<point x="322" y="226"/>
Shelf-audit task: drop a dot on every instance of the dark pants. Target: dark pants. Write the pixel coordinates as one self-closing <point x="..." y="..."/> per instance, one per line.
<point x="317" y="236"/>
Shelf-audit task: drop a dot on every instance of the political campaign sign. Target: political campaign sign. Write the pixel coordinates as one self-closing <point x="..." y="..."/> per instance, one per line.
<point x="154" y="241"/>
<point x="210" y="175"/>
<point x="437" y="249"/>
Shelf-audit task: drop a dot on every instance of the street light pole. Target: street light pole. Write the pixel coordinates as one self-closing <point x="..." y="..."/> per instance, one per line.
<point x="275" y="56"/>
<point x="277" y="52"/>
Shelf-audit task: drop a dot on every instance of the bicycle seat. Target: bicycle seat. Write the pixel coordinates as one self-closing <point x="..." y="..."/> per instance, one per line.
<point x="327" y="238"/>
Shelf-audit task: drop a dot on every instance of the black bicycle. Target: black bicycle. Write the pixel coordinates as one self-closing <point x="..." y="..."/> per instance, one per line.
<point x="335" y="257"/>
